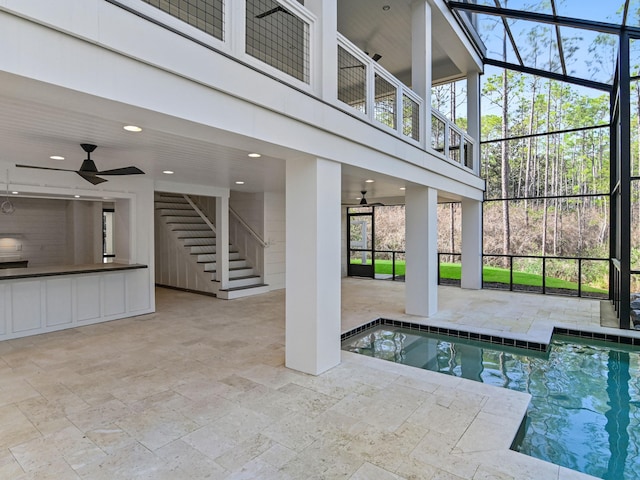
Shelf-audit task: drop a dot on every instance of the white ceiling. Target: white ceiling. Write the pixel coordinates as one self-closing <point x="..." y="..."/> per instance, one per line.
<point x="40" y="120"/>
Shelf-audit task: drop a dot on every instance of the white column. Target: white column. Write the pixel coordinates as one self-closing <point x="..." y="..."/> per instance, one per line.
<point x="471" y="244"/>
<point x="421" y="278"/>
<point x="123" y="231"/>
<point x="235" y="24"/>
<point x="312" y="265"/>
<point x="325" y="48"/>
<point x="222" y="241"/>
<point x="421" y="62"/>
<point x="473" y="116"/>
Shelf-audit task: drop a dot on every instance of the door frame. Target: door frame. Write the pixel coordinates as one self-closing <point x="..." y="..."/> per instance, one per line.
<point x="361" y="270"/>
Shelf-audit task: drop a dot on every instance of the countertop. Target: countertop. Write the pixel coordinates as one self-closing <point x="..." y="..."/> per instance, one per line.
<point x="34" y="272"/>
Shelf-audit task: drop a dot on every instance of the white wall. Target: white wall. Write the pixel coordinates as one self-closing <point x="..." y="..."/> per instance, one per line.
<point x="250" y="207"/>
<point x="50" y="232"/>
<point x="38" y="229"/>
<point x="84" y="232"/>
<point x="274" y="234"/>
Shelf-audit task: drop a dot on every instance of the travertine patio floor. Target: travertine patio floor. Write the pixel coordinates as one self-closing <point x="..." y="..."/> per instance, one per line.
<point x="199" y="390"/>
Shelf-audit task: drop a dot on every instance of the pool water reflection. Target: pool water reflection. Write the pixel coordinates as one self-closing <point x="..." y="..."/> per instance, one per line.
<point x="585" y="407"/>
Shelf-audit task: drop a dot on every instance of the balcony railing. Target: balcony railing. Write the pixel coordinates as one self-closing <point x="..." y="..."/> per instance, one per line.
<point x="280" y="38"/>
<point x="451" y="141"/>
<point x="367" y="88"/>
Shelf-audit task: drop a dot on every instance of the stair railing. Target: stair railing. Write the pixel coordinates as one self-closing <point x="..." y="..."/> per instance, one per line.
<point x="248" y="241"/>
<point x="251" y="231"/>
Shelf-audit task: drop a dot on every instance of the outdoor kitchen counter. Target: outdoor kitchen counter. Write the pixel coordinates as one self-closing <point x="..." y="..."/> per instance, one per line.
<point x="32" y="272"/>
<point x="45" y="299"/>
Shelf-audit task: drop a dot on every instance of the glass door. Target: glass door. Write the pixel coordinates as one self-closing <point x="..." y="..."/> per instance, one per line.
<point x="360" y="238"/>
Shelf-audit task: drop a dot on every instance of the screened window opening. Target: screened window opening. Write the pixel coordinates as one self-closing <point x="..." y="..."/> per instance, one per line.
<point x="410" y="118"/>
<point x="385" y="102"/>
<point x="205" y="15"/>
<point x="352" y="80"/>
<point x="277" y="37"/>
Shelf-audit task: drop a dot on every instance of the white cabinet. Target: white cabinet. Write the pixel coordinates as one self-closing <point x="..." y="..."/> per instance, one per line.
<point x="35" y="305"/>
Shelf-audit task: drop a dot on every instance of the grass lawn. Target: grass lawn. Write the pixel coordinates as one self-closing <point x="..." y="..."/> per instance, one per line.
<point x="490" y="274"/>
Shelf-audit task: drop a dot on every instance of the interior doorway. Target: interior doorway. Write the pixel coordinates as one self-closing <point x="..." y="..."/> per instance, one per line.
<point x="108" y="243"/>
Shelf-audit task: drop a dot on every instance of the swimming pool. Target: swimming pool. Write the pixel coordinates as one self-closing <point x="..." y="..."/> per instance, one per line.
<point x="585" y="407"/>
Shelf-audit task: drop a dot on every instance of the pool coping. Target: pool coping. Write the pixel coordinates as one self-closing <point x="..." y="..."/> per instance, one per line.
<point x="495" y="339"/>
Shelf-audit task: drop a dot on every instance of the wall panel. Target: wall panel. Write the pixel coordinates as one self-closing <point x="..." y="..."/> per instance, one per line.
<point x="59" y="305"/>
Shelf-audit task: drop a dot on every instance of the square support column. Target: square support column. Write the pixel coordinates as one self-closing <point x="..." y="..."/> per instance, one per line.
<point x="421" y="278"/>
<point x="421" y="74"/>
<point x="326" y="44"/>
<point x="313" y="253"/>
<point x="471" y="244"/>
<point x="473" y="116"/>
<point x="222" y="241"/>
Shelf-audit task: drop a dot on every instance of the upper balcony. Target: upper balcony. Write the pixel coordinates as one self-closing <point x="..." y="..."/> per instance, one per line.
<point x="360" y="62"/>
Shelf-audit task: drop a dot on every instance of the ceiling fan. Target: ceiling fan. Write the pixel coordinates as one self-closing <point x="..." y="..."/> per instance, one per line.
<point x="272" y="11"/>
<point x="364" y="203"/>
<point x="375" y="57"/>
<point x="89" y="171"/>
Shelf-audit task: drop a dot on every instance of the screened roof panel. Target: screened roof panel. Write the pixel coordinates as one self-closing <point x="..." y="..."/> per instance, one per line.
<point x="589" y="54"/>
<point x="537" y="44"/>
<point x="633" y="17"/>
<point x="527" y="5"/>
<point x="572" y="40"/>
<point x="609" y="11"/>
<point x="634" y="57"/>
<point x="492" y="32"/>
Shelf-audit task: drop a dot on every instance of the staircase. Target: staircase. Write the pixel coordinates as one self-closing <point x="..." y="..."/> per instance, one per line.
<point x="185" y="223"/>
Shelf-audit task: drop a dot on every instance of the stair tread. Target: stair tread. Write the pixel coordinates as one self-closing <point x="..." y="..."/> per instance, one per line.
<point x="199" y="222"/>
<point x="207" y="261"/>
<point x="244" y="278"/>
<point x="245" y="287"/>
<point x="203" y="236"/>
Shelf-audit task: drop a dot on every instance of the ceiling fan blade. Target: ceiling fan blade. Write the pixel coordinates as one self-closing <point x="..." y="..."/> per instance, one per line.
<point x="122" y="171"/>
<point x="45" y="168"/>
<point x="91" y="178"/>
<point x="272" y="11"/>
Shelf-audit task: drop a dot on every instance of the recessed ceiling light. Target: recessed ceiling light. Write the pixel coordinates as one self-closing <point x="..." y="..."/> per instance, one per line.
<point x="254" y="155"/>
<point x="168" y="172"/>
<point x="76" y="196"/>
<point x="369" y="181"/>
<point x="239" y="182"/>
<point x="56" y="157"/>
<point x="386" y="8"/>
<point x="132" y="128"/>
<point x="15" y="193"/>
<point x="403" y="188"/>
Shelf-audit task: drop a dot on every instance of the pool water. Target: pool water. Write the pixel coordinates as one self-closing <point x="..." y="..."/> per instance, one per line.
<point x="585" y="407"/>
